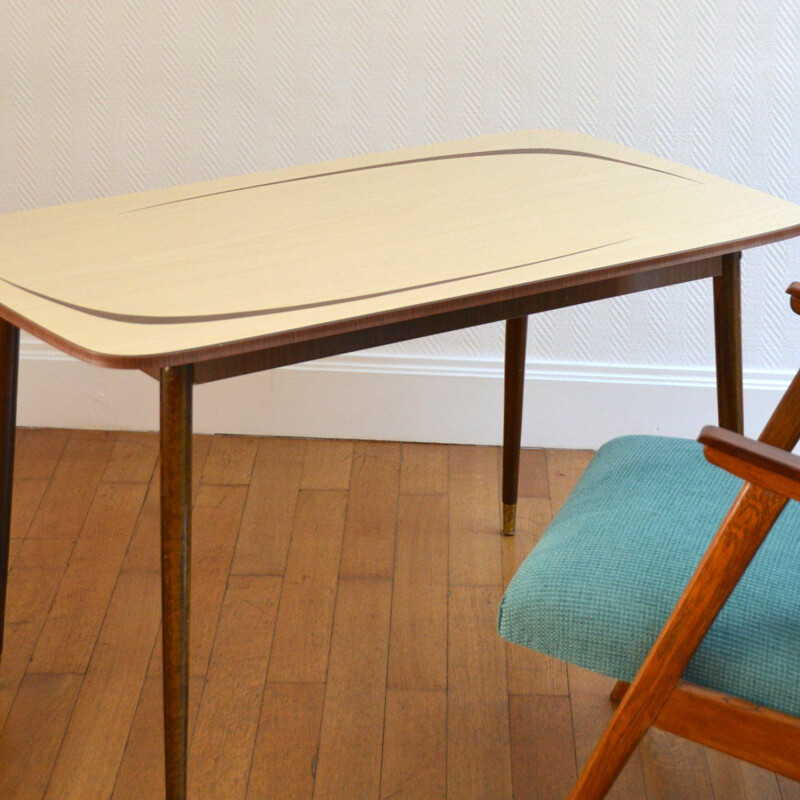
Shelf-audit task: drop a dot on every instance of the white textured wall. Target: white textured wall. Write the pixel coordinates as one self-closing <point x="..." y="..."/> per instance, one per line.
<point x="99" y="97"/>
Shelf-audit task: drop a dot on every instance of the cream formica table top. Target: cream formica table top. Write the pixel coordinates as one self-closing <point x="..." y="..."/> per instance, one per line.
<point x="226" y="266"/>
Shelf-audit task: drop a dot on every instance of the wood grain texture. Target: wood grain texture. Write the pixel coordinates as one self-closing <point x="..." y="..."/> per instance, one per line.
<point x="285" y="754"/>
<point x="327" y="464"/>
<point x="69" y="496"/>
<point x="738" y="780"/>
<point x="783" y="427"/>
<point x="734" y="726"/>
<point x="9" y="367"/>
<point x="215" y="522"/>
<point x="423" y="469"/>
<point x="33" y="583"/>
<point x="533" y="477"/>
<point x="34" y="732"/>
<point x="13" y="549"/>
<point x="144" y="551"/>
<point x="591" y="713"/>
<point x="542" y="751"/>
<point x="351" y="739"/>
<point x="674" y="767"/>
<point x="68" y="638"/>
<point x="179" y="273"/>
<point x="305" y="616"/>
<point x="475" y="554"/>
<point x="728" y="343"/>
<point x="230" y="460"/>
<point x="564" y="467"/>
<point x="514" y="386"/>
<point x="790" y="790"/>
<point x="38" y="451"/>
<point x="415" y="745"/>
<point x="138" y="776"/>
<point x="114" y="733"/>
<point x="418" y="642"/>
<point x="756" y="462"/>
<point x="231" y="700"/>
<point x="133" y="458"/>
<point x="263" y="543"/>
<point x="478" y="742"/>
<point x="175" y="451"/>
<point x="369" y="534"/>
<point x="28" y="495"/>
<point x="92" y="748"/>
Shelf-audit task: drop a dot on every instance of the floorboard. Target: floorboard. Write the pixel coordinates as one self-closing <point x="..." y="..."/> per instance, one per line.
<point x="344" y="601"/>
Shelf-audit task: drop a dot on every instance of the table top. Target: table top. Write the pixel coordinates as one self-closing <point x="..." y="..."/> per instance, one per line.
<point x="229" y="266"/>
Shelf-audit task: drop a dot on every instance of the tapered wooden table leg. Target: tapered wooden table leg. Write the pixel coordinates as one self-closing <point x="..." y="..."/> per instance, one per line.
<point x="176" y="518"/>
<point x="728" y="336"/>
<point x="9" y="363"/>
<point x="516" y="339"/>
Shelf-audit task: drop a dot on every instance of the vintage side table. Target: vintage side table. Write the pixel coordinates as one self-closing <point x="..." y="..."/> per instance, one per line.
<point x="204" y="282"/>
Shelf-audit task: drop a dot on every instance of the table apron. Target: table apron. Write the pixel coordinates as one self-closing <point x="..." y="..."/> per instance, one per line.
<point x="389" y="333"/>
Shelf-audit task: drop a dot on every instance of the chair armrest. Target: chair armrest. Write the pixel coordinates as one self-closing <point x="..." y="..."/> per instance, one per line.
<point x="794" y="292"/>
<point x="756" y="462"/>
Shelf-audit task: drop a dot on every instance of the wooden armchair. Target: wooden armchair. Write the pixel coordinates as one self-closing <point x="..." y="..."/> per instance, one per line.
<point x="611" y="572"/>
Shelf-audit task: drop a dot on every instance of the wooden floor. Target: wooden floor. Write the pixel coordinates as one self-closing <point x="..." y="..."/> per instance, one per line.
<point x="343" y="640"/>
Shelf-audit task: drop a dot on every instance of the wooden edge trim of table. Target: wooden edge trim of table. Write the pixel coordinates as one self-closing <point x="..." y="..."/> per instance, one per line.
<point x="744" y="730"/>
<point x="709" y="257"/>
<point x="271" y="356"/>
<point x="753" y="461"/>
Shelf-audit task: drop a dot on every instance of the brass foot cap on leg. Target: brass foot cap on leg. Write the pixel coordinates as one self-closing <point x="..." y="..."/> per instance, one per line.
<point x="509" y="518"/>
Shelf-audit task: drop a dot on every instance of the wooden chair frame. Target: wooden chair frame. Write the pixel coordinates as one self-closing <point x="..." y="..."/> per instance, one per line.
<point x="657" y="696"/>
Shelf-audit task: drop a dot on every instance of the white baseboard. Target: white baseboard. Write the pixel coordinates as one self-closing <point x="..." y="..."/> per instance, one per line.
<point x="379" y="395"/>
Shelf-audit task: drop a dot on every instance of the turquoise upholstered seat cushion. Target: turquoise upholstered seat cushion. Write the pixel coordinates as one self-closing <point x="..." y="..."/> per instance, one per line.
<point x="598" y="587"/>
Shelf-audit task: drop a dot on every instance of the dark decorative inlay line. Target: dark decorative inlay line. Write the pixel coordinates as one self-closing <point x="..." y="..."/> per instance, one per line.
<point x="517" y="151"/>
<point x="175" y="320"/>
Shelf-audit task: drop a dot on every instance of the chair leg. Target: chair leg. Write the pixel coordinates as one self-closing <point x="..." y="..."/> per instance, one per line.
<point x="176" y="510"/>
<point x="9" y="364"/>
<point x="516" y="338"/>
<point x="618" y="692"/>
<point x="728" y="343"/>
